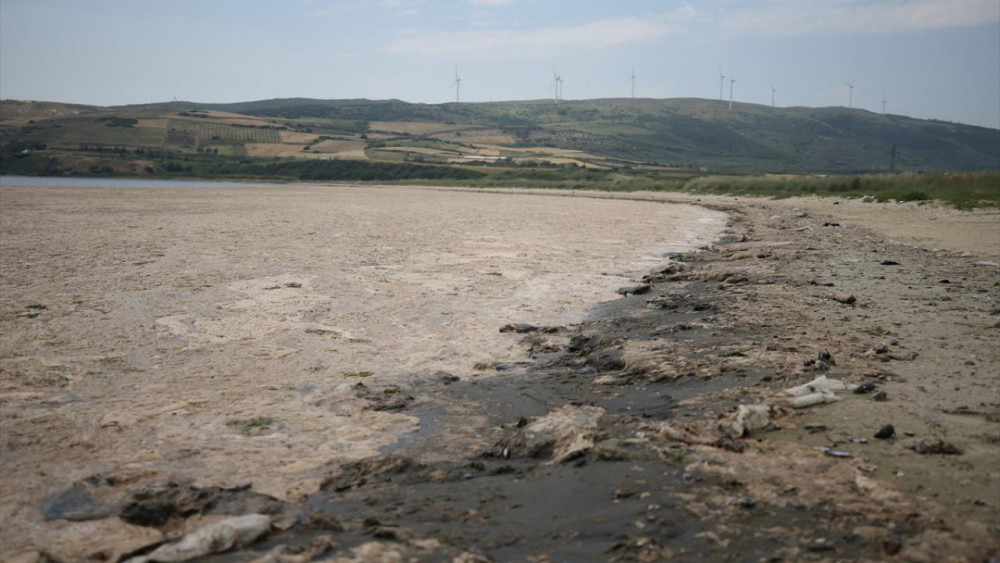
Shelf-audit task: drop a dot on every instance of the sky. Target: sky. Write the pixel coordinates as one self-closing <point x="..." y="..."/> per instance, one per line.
<point x="937" y="59"/>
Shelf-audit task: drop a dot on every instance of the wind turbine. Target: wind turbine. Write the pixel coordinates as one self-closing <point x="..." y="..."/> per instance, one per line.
<point x="772" y="94"/>
<point x="457" y="84"/>
<point x="884" y="101"/>
<point x="850" y="95"/>
<point x="557" y="84"/>
<point x="731" y="82"/>
<point x="632" y="78"/>
<point x="722" y="78"/>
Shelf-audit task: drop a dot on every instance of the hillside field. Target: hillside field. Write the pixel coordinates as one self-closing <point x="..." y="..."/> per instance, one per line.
<point x="602" y="144"/>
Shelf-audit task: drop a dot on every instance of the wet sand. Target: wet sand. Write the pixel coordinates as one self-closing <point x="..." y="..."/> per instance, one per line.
<point x="218" y="335"/>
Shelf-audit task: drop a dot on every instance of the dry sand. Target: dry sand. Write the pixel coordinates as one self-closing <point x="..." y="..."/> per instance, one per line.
<point x="216" y="334"/>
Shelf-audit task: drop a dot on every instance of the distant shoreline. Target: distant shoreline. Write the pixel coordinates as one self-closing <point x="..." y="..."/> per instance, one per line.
<point x="82" y="182"/>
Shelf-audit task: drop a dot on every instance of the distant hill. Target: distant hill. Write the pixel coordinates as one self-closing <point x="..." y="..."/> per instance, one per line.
<point x="16" y="112"/>
<point x="688" y="134"/>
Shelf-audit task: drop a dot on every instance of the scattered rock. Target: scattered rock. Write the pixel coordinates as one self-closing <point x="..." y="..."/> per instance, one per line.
<point x="320" y="520"/>
<point x="881" y="348"/>
<point x="519" y="328"/>
<point x="845" y="298"/>
<point x="78" y="503"/>
<point x="240" y="531"/>
<point x="670" y="302"/>
<point x="447" y="378"/>
<point x="818" y="391"/>
<point x="158" y="506"/>
<point x="936" y="446"/>
<point x="381" y="531"/>
<point x="886" y="432"/>
<point x="818" y="385"/>
<point x="831" y="224"/>
<point x="624" y="492"/>
<point x="836" y="453"/>
<point x="393" y="468"/>
<point x="562" y="435"/>
<point x="393" y="401"/>
<point x="889" y="263"/>
<point x="811" y="399"/>
<point x="607" y="360"/>
<point x="633" y="290"/>
<point x="881" y="397"/>
<point x="864" y="388"/>
<point x="749" y="418"/>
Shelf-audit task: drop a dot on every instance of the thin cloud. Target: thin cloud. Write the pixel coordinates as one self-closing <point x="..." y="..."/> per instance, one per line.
<point x="520" y="43"/>
<point x="785" y="17"/>
<point x="490" y="2"/>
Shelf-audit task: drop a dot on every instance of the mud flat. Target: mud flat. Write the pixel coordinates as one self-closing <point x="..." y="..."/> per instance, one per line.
<point x="659" y="427"/>
<point x="222" y="336"/>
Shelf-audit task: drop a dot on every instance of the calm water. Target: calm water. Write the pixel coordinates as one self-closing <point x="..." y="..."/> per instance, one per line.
<point x="61" y="182"/>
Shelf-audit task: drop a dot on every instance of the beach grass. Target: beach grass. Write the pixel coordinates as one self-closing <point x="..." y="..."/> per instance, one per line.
<point x="961" y="190"/>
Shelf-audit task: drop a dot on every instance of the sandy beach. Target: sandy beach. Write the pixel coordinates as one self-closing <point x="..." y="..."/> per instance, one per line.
<point x="279" y="336"/>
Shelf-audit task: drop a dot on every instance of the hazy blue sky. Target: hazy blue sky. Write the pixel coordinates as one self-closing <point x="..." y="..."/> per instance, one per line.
<point x="929" y="58"/>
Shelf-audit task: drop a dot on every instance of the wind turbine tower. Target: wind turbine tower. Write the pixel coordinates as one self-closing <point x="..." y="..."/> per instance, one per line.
<point x="850" y="95"/>
<point x="884" y="101"/>
<point x="457" y="84"/>
<point x="557" y="84"/>
<point x="722" y="79"/>
<point x="731" y="82"/>
<point x="772" y="94"/>
<point x="632" y="78"/>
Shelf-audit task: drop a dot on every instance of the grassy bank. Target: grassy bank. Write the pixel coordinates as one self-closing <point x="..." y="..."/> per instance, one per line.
<point x="962" y="190"/>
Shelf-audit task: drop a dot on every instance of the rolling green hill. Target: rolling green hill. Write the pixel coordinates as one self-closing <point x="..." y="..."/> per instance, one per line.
<point x="627" y="135"/>
<point x="691" y="132"/>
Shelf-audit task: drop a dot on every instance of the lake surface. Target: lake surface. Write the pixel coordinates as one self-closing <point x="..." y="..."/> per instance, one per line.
<point x="66" y="182"/>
